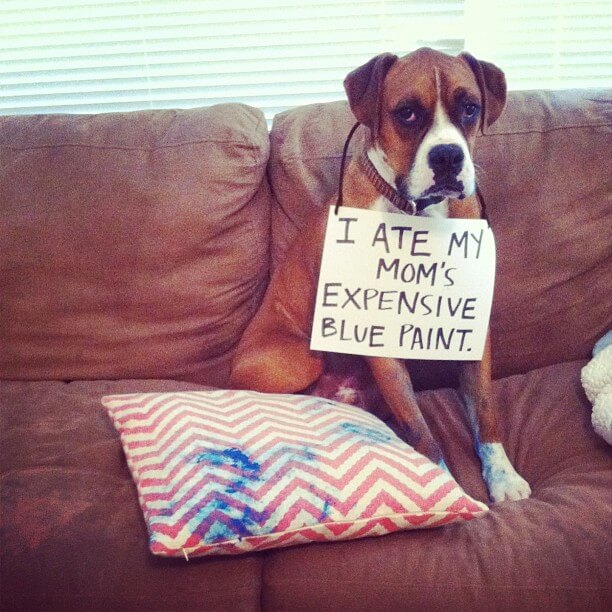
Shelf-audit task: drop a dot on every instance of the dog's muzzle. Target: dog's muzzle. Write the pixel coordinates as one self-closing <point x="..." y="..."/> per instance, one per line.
<point x="446" y="159"/>
<point x="446" y="162"/>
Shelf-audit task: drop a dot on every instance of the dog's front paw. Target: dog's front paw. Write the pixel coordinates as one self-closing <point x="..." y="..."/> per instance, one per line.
<point x="503" y="481"/>
<point x="508" y="486"/>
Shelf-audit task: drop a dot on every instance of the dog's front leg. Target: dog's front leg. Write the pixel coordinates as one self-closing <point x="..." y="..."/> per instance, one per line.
<point x="395" y="385"/>
<point x="500" y="476"/>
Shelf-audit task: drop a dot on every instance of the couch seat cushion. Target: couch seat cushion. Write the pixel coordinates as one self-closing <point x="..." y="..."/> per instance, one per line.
<point x="73" y="537"/>
<point x="550" y="552"/>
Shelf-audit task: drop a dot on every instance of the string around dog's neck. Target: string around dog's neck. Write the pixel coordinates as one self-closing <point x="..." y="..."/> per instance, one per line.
<point x="394" y="196"/>
<point x="340" y="199"/>
<point x="370" y="171"/>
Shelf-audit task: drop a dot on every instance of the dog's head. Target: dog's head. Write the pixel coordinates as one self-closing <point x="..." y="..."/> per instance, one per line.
<point x="423" y="111"/>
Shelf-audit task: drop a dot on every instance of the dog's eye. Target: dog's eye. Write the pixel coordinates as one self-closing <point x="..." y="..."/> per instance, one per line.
<point x="406" y="114"/>
<point x="470" y="111"/>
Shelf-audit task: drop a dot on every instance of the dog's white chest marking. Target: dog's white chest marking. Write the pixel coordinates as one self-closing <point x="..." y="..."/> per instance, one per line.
<point x="437" y="211"/>
<point x="381" y="204"/>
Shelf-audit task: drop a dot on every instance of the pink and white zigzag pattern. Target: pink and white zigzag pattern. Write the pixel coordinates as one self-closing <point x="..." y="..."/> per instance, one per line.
<point x="221" y="472"/>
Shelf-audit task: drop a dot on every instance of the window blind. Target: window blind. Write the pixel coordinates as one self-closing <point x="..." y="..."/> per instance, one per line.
<point x="99" y="56"/>
<point x="544" y="44"/>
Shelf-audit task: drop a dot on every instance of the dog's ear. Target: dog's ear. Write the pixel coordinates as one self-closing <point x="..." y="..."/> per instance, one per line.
<point x="363" y="87"/>
<point x="492" y="83"/>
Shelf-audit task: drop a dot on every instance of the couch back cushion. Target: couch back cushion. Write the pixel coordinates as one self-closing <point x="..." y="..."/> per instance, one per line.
<point x="133" y="244"/>
<point x="544" y="170"/>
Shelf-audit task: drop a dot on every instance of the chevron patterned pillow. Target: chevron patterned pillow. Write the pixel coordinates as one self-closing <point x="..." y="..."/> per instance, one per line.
<point x="224" y="472"/>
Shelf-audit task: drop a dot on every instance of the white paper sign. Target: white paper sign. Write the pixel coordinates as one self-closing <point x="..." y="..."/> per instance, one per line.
<point x="393" y="285"/>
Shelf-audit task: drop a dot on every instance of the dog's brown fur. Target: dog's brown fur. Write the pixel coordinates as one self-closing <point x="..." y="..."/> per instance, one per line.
<point x="274" y="354"/>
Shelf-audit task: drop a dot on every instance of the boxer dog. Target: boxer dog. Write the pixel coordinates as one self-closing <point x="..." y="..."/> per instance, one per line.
<point x="422" y="113"/>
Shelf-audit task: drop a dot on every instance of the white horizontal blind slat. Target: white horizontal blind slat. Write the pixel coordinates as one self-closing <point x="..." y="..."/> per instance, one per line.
<point x="85" y="56"/>
<point x="539" y="44"/>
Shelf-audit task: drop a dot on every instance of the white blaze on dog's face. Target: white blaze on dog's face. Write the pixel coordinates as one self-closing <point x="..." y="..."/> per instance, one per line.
<point x="443" y="164"/>
<point x="423" y="118"/>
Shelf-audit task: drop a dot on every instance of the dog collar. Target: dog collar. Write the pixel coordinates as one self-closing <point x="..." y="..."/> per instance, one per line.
<point x="398" y="200"/>
<point x="392" y="194"/>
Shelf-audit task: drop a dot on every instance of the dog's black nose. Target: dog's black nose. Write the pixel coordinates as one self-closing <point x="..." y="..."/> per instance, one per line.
<point x="446" y="158"/>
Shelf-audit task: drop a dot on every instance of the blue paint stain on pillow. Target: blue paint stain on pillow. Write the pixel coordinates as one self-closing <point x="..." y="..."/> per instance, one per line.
<point x="238" y="485"/>
<point x="218" y="532"/>
<point x="234" y="457"/>
<point x="220" y="521"/>
<point x="304" y="453"/>
<point x="249" y="523"/>
<point x="229" y="456"/>
<point x="369" y="433"/>
<point x="325" y="511"/>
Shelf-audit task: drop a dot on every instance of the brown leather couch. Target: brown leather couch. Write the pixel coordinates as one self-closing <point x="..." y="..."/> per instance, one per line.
<point x="134" y="248"/>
